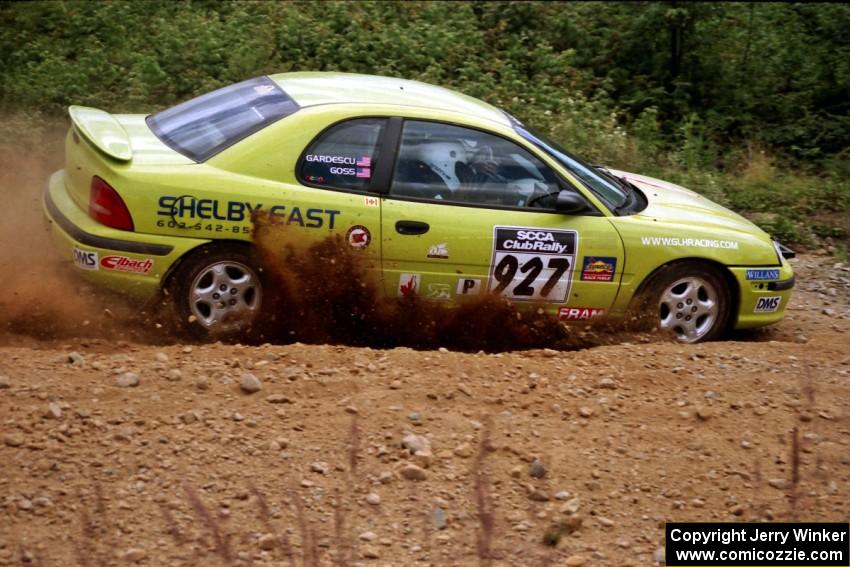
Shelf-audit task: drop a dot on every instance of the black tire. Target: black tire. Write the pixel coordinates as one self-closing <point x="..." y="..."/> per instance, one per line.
<point x="692" y="300"/>
<point x="217" y="292"/>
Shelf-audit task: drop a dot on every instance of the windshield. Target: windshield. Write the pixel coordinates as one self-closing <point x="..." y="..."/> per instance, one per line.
<point x="202" y="127"/>
<point x="606" y="189"/>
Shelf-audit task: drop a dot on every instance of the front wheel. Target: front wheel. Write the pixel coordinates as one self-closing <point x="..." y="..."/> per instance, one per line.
<point x="218" y="292"/>
<point x="691" y="301"/>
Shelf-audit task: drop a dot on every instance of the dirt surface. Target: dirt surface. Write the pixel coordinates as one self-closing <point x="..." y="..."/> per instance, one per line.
<point x="351" y="455"/>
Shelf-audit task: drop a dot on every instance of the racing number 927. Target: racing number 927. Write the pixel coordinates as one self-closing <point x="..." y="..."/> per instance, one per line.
<point x="533" y="264"/>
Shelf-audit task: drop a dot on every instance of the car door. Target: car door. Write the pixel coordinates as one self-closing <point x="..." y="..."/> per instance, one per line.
<point x="336" y="170"/>
<point x="469" y="212"/>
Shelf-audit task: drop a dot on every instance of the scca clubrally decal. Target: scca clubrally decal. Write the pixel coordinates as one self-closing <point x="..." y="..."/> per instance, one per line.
<point x="532" y="264"/>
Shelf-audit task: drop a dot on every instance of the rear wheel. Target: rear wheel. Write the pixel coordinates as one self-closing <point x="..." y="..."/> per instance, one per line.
<point x="218" y="292"/>
<point x="689" y="300"/>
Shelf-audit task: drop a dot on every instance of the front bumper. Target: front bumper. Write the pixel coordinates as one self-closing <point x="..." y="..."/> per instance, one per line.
<point x="129" y="263"/>
<point x="762" y="301"/>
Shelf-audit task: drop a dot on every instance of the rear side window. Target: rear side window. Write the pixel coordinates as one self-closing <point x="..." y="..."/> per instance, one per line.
<point x="344" y="156"/>
<point x="202" y="127"/>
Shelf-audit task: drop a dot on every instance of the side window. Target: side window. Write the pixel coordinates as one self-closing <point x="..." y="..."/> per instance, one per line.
<point x="454" y="164"/>
<point x="344" y="156"/>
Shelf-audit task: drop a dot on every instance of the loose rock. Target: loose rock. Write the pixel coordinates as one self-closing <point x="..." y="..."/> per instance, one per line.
<point x="127" y="380"/>
<point x="412" y="472"/>
<point x="250" y="383"/>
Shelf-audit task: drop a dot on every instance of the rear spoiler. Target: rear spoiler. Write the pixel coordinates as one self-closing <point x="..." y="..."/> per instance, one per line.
<point x="103" y="131"/>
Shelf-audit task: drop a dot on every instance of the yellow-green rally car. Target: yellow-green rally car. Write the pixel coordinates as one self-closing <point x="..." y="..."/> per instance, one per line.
<point x="451" y="197"/>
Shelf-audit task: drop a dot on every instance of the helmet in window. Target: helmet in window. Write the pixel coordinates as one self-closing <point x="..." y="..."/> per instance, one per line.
<point x="443" y="159"/>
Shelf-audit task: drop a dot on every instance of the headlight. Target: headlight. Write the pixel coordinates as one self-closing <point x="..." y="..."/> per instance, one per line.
<point x="782" y="251"/>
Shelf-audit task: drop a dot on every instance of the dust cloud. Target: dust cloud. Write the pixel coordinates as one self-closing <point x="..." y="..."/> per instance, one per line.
<point x="40" y="299"/>
<point x="327" y="293"/>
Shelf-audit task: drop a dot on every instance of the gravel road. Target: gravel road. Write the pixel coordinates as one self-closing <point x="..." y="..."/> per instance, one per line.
<point x="118" y="452"/>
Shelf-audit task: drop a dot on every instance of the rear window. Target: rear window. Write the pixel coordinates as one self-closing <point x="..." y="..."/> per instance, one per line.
<point x="202" y="127"/>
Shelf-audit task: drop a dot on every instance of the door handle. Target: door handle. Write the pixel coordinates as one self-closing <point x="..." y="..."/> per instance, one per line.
<point x="411" y="227"/>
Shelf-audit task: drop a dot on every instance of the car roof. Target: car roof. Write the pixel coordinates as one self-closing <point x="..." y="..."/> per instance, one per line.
<point x="315" y="88"/>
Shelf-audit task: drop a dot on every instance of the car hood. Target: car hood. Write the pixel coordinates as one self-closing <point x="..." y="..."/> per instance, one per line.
<point x="676" y="204"/>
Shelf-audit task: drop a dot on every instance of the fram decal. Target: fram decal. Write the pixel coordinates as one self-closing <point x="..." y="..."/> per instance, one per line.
<point x="439" y="251"/>
<point x="125" y="264"/>
<point x="762" y="275"/>
<point x="188" y="207"/>
<point x="85" y="259"/>
<point x="468" y="286"/>
<point x="439" y="291"/>
<point x="579" y="313"/>
<point x="767" y="304"/>
<point x="358" y="236"/>
<point x="408" y="285"/>
<point x="598" y="268"/>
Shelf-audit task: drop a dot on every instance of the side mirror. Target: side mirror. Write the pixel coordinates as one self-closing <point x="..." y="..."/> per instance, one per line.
<point x="569" y="202"/>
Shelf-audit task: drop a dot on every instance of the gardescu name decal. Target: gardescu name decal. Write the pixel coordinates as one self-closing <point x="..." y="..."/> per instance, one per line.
<point x="688" y="242"/>
<point x="239" y="211"/>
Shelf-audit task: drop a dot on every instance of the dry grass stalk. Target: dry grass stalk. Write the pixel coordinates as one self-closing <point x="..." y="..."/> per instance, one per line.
<point x="793" y="494"/>
<point x="281" y="539"/>
<point x="309" y="550"/>
<point x="171" y="525"/>
<point x="483" y="501"/>
<point x="353" y="446"/>
<point x="343" y="554"/>
<point x="221" y="541"/>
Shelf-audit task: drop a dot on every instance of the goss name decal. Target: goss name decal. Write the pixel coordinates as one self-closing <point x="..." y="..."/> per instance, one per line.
<point x="598" y="268"/>
<point x="125" y="264"/>
<point x="532" y="264"/>
<point x="579" y="313"/>
<point x="767" y="304"/>
<point x="761" y="275"/>
<point x="85" y="259"/>
<point x="187" y="207"/>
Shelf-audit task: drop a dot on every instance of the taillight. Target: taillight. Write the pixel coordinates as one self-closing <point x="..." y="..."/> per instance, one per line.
<point x="107" y="207"/>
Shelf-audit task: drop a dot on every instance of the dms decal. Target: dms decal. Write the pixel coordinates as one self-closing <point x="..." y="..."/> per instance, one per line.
<point x="761" y="275"/>
<point x="439" y="251"/>
<point x="767" y="304"/>
<point x="532" y="264"/>
<point x="358" y="237"/>
<point x="187" y="207"/>
<point x="598" y="268"/>
<point x="468" y="286"/>
<point x="125" y="264"/>
<point x="85" y="259"/>
<point x="408" y="285"/>
<point x="439" y="291"/>
<point x="579" y="313"/>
